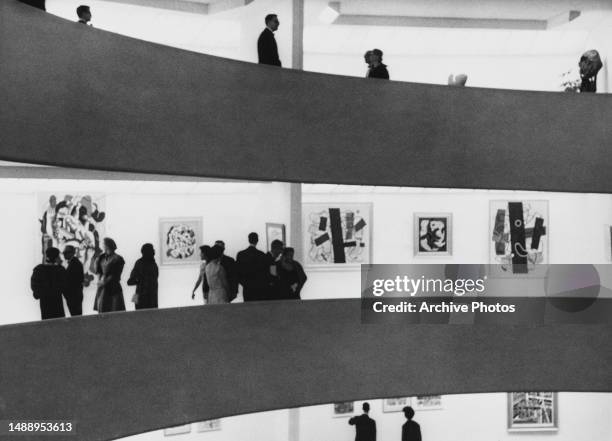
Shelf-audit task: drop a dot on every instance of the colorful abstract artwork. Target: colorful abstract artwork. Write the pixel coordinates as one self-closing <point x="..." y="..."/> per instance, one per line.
<point x="337" y="234"/>
<point x="344" y="409"/>
<point x="532" y="411"/>
<point x="518" y="236"/>
<point x="395" y="404"/>
<point x="432" y="234"/>
<point x="208" y="426"/>
<point x="75" y="219"/>
<point x="427" y="402"/>
<point x="180" y="239"/>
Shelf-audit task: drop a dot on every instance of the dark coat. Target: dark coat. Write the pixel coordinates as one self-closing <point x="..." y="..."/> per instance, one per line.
<point x="287" y="278"/>
<point x="365" y="428"/>
<point x="253" y="270"/>
<point x="379" y="71"/>
<point x="73" y="293"/>
<point x="144" y="275"/>
<point x="109" y="296"/>
<point x="47" y="283"/>
<point x="267" y="50"/>
<point x="229" y="265"/>
<point x="411" y="431"/>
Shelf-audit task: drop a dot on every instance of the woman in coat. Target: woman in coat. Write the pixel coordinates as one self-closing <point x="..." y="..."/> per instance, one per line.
<point x="144" y="276"/>
<point x="291" y="275"/>
<point x="109" y="267"/>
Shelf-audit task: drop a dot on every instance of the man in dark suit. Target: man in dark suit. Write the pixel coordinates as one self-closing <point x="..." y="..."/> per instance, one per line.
<point x="267" y="50"/>
<point x="411" y="431"/>
<point x="365" y="427"/>
<point x="73" y="291"/>
<point x="273" y="256"/>
<point x="252" y="265"/>
<point x="229" y="265"/>
<point x="47" y="283"/>
<point x="377" y="68"/>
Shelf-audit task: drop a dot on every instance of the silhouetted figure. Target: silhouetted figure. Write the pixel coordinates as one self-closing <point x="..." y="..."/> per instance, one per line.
<point x="253" y="270"/>
<point x="273" y="256"/>
<point x="204" y="257"/>
<point x="365" y="427"/>
<point x="411" y="431"/>
<point x="75" y="276"/>
<point x="84" y="14"/>
<point x="229" y="265"/>
<point x="377" y="68"/>
<point x="218" y="286"/>
<point x="109" y="267"/>
<point x="47" y="283"/>
<point x="267" y="50"/>
<point x="458" y="80"/>
<point x="366" y="58"/>
<point x="291" y="275"/>
<point x="144" y="275"/>
<point x="590" y="64"/>
<point x="40" y="4"/>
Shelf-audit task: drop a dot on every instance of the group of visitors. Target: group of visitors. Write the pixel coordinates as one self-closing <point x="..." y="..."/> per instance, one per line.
<point x="365" y="427"/>
<point x="274" y="275"/>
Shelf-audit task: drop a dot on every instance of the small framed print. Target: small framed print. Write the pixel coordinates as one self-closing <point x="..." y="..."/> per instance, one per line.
<point x="395" y="404"/>
<point x="427" y="402"/>
<point x="177" y="430"/>
<point x="208" y="426"/>
<point x="275" y="232"/>
<point x="344" y="409"/>
<point x="433" y="234"/>
<point x="532" y="411"/>
<point x="180" y="239"/>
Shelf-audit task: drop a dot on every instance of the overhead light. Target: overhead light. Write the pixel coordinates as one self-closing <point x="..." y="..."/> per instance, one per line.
<point x="330" y="13"/>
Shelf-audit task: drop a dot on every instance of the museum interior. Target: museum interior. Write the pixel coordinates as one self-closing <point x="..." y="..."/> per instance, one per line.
<point x="158" y="115"/>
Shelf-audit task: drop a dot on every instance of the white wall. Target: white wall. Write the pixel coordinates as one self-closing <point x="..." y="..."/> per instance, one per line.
<point x="230" y="211"/>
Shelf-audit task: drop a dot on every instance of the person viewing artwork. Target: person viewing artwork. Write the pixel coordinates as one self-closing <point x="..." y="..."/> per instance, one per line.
<point x="365" y="427"/>
<point x="291" y="275"/>
<point x="253" y="271"/>
<point x="366" y="58"/>
<point x="144" y="276"/>
<point x="75" y="277"/>
<point x="47" y="282"/>
<point x="84" y="14"/>
<point x="204" y="257"/>
<point x="229" y="265"/>
<point x="377" y="68"/>
<point x="267" y="50"/>
<point x="218" y="286"/>
<point x="411" y="431"/>
<point x="109" y="267"/>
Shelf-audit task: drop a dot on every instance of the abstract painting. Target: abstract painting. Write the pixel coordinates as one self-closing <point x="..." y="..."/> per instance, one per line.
<point x="177" y="430"/>
<point x="428" y="402"/>
<point x="208" y="426"/>
<point x="432" y="234"/>
<point x="275" y="232"/>
<point x="180" y="239"/>
<point x="532" y="411"/>
<point x="76" y="219"/>
<point x="395" y="404"/>
<point x="344" y="409"/>
<point x="337" y="235"/>
<point x="518" y="236"/>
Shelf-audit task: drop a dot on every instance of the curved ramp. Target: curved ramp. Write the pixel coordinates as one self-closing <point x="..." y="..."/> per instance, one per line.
<point x="123" y="373"/>
<point x="82" y="97"/>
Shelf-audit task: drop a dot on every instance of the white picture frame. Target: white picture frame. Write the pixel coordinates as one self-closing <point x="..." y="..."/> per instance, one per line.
<point x="533" y="412"/>
<point x="427" y="402"/>
<point x="433" y="234"/>
<point x="343" y="409"/>
<point x="395" y="404"/>
<point x="179" y="240"/>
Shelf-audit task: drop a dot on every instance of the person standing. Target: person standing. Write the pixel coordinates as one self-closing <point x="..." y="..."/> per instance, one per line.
<point x="84" y="14"/>
<point x="273" y="256"/>
<point x="377" y="68"/>
<point x="47" y="282"/>
<point x="365" y="427"/>
<point x="204" y="252"/>
<point x="144" y="276"/>
<point x="109" y="267"/>
<point x="267" y="50"/>
<point x="218" y="286"/>
<point x="75" y="276"/>
<point x="291" y="276"/>
<point x="411" y="431"/>
<point x="253" y="270"/>
<point x="229" y="265"/>
<point x="366" y="58"/>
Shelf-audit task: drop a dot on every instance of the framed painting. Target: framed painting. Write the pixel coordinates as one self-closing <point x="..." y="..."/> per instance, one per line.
<point x="395" y="404"/>
<point x="177" y="430"/>
<point x="208" y="426"/>
<point x="427" y="402"/>
<point x="180" y="239"/>
<point x="275" y="232"/>
<point x="433" y="234"/>
<point x="532" y="411"/>
<point x="518" y="238"/>
<point x="345" y="409"/>
<point x="337" y="235"/>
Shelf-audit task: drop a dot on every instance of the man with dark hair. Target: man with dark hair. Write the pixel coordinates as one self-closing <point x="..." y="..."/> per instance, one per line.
<point x="84" y="14"/>
<point x="365" y="427"/>
<point x="253" y="270"/>
<point x="377" y="68"/>
<point x="267" y="50"/>
<point x="273" y="256"/>
<point x="229" y="265"/>
<point x="411" y="431"/>
<point x="47" y="283"/>
<point x="366" y="58"/>
<point x="73" y="292"/>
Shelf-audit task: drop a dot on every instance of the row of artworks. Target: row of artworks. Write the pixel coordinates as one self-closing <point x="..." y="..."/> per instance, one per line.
<point x="340" y="234"/>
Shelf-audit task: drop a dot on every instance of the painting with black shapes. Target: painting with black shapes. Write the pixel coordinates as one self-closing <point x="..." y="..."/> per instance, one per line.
<point x="180" y="239"/>
<point x="432" y="234"/>
<point x="337" y="235"/>
<point x="519" y="237"/>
